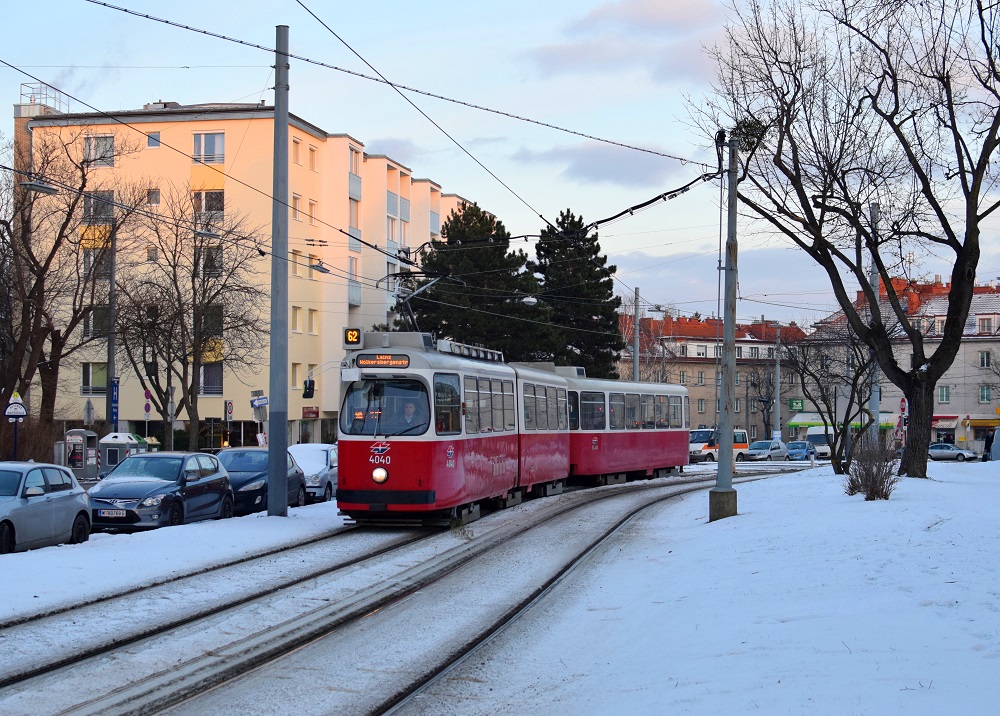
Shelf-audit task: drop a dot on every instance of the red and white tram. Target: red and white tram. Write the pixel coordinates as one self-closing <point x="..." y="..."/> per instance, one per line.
<point x="428" y="431"/>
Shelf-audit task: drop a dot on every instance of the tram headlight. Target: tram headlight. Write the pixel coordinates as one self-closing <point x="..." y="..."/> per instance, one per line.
<point x="380" y="475"/>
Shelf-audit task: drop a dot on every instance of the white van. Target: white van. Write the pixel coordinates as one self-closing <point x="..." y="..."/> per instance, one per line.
<point x="821" y="438"/>
<point x="704" y="445"/>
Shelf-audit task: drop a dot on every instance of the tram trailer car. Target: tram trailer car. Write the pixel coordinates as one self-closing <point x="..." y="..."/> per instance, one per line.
<point x="483" y="431"/>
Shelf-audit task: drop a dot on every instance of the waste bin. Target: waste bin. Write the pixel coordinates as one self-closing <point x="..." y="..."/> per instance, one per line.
<point x="115" y="447"/>
<point x="81" y="454"/>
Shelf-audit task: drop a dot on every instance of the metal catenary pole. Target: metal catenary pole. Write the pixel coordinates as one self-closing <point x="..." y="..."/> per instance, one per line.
<point x="875" y="396"/>
<point x="277" y="441"/>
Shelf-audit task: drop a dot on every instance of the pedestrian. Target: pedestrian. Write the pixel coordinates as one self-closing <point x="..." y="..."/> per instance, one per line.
<point x="988" y="446"/>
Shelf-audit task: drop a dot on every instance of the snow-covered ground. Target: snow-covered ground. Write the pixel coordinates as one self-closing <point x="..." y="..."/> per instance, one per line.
<point x="807" y="601"/>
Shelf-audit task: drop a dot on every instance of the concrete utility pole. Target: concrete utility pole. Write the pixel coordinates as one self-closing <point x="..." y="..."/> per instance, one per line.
<point x="277" y="439"/>
<point x="722" y="498"/>
<point x="111" y="411"/>
<point x="875" y="396"/>
<point x="635" y="337"/>
<point x="776" y="415"/>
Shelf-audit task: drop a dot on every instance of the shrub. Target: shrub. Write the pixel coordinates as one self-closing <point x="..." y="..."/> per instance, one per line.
<point x="872" y="471"/>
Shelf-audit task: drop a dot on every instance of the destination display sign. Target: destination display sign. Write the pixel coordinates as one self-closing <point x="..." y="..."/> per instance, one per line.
<point x="383" y="360"/>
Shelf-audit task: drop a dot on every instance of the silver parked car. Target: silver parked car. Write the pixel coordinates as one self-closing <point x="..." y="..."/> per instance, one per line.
<point x="41" y="505"/>
<point x="768" y="450"/>
<point x="319" y="463"/>
<point x="947" y="451"/>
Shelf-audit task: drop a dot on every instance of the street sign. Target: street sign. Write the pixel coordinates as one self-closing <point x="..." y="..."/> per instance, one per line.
<point x="902" y="406"/>
<point x="114" y="404"/>
<point x="258" y="402"/>
<point x="229" y="410"/>
<point x="16" y="410"/>
<point x="148" y="394"/>
<point x="148" y="408"/>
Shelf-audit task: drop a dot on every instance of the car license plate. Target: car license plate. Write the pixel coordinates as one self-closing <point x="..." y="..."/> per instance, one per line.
<point x="111" y="513"/>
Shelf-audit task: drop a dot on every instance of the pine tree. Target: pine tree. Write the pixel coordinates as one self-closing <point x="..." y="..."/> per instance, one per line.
<point x="577" y="283"/>
<point x="481" y="298"/>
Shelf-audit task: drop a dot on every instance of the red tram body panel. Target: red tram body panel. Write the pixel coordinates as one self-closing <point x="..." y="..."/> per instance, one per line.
<point x="431" y="430"/>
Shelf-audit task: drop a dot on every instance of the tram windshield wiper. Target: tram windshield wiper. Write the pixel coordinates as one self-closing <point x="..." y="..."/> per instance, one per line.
<point x="411" y="428"/>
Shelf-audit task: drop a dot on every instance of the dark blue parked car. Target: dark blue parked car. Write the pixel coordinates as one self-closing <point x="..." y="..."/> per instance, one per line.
<point x="247" y="468"/>
<point x="161" y="488"/>
<point x="801" y="450"/>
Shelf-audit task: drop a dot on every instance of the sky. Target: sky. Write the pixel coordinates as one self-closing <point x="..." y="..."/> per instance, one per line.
<point x="626" y="71"/>
<point x="807" y="601"/>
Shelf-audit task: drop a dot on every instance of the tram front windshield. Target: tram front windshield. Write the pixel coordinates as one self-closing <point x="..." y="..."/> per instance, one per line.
<point x="385" y="407"/>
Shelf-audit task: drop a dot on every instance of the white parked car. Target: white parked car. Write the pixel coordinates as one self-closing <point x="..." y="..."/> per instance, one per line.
<point x="768" y="450"/>
<point x="319" y="463"/>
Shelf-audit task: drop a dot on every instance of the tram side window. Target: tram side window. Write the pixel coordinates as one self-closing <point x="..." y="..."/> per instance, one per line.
<point x="508" y="406"/>
<point x="561" y="402"/>
<point x="617" y="401"/>
<point x="471" y="406"/>
<point x="541" y="408"/>
<point x="687" y="411"/>
<point x="632" y="411"/>
<point x="662" y="412"/>
<point x="555" y="423"/>
<point x="529" y="406"/>
<point x="676" y="416"/>
<point x="646" y="415"/>
<point x="574" y="410"/>
<point x="447" y="404"/>
<point x="592" y="411"/>
<point x="485" y="406"/>
<point x="496" y="389"/>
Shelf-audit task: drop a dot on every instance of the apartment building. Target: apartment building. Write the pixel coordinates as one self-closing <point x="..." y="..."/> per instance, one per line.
<point x="351" y="216"/>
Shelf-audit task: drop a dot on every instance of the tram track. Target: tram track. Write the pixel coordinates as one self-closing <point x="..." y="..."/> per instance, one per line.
<point x="263" y="628"/>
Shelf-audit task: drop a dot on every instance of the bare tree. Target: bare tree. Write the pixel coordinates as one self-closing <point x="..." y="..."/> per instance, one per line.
<point x="53" y="249"/>
<point x="844" y="106"/>
<point x="191" y="304"/>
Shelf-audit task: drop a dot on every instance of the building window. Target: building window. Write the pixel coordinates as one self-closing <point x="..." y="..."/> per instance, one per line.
<point x="295" y="261"/>
<point x="208" y="260"/>
<point x="211" y="321"/>
<point x="753" y="432"/>
<point x="310" y="270"/>
<point x="296" y="157"/>
<point x="701" y="405"/>
<point x="153" y="197"/>
<point x="99" y="151"/>
<point x="770" y="351"/>
<point x="944" y="393"/>
<point x="99" y="207"/>
<point x="210" y="148"/>
<point x="312" y="159"/>
<point x="152" y="254"/>
<point x="736" y="405"/>
<point x="311" y="318"/>
<point x="682" y="377"/>
<point x="718" y="350"/>
<point x="739" y="351"/>
<point x="95" y="379"/>
<point x="296" y="319"/>
<point x="153" y="140"/>
<point x="296" y="207"/>
<point x="390" y="229"/>
<point x="984" y="359"/>
<point x="700" y="351"/>
<point x="209" y="206"/>
<point x="753" y="406"/>
<point x="312" y="212"/>
<point x="296" y="374"/>
<point x="211" y="378"/>
<point x="737" y="378"/>
<point x="684" y="349"/>
<point x="355" y="162"/>
<point x="701" y="378"/>
<point x="352" y="268"/>
<point x="986" y="324"/>
<point x="95" y="325"/>
<point x="97" y="263"/>
<point x="984" y="394"/>
<point x="754" y="352"/>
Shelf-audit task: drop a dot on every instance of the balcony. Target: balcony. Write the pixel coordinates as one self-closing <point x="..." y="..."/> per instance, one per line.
<point x="354" y="186"/>
<point x="209" y="218"/>
<point x="353" y="292"/>
<point x="404" y="209"/>
<point x="392" y="204"/>
<point x="435" y="224"/>
<point x="391" y="248"/>
<point x="354" y="242"/>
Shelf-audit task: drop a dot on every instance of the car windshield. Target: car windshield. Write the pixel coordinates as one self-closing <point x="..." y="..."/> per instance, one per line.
<point x="244" y="460"/>
<point x="378" y="407"/>
<point x="701" y="436"/>
<point x="312" y="459"/>
<point x="9" y="481"/>
<point x="161" y="468"/>
<point x="761" y="445"/>
<point x="798" y="445"/>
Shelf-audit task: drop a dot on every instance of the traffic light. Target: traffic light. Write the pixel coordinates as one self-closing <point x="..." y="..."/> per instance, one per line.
<point x="308" y="388"/>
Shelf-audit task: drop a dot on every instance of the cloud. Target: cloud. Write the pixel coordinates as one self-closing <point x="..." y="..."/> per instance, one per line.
<point x="662" y="39"/>
<point x="597" y="163"/>
<point x="404" y="151"/>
